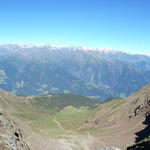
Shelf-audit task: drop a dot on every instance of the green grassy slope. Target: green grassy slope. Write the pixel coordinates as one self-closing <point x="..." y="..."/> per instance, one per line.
<point x="60" y="101"/>
<point x="43" y="113"/>
<point x="61" y="116"/>
<point x="54" y="115"/>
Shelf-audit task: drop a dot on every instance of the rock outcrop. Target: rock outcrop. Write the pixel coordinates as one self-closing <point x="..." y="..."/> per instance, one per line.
<point x="140" y="102"/>
<point x="11" y="137"/>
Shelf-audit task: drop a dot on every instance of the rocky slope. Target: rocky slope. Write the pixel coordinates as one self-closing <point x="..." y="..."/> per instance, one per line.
<point x="123" y="122"/>
<point x="140" y="102"/>
<point x="11" y="136"/>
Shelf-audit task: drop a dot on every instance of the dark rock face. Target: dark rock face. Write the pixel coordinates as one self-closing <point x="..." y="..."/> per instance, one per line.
<point x="142" y="146"/>
<point x="11" y="135"/>
<point x="141" y="135"/>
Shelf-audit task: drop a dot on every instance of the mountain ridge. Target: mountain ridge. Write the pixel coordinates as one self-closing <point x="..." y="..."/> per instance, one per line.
<point x="38" y="70"/>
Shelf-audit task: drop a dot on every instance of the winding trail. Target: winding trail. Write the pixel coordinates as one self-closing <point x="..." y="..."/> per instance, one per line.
<point x="60" y="126"/>
<point x="71" y="138"/>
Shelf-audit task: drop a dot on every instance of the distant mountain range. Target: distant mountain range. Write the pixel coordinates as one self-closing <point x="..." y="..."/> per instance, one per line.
<point x="98" y="73"/>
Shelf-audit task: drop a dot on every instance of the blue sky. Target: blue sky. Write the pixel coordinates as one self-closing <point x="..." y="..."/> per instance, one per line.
<point x="118" y="24"/>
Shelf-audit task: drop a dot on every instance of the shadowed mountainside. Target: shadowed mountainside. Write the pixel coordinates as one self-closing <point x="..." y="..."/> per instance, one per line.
<point x="35" y="70"/>
<point x="145" y="133"/>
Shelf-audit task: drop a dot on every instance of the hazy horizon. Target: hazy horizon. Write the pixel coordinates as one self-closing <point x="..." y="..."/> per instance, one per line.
<point x="120" y="25"/>
<point x="76" y="46"/>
